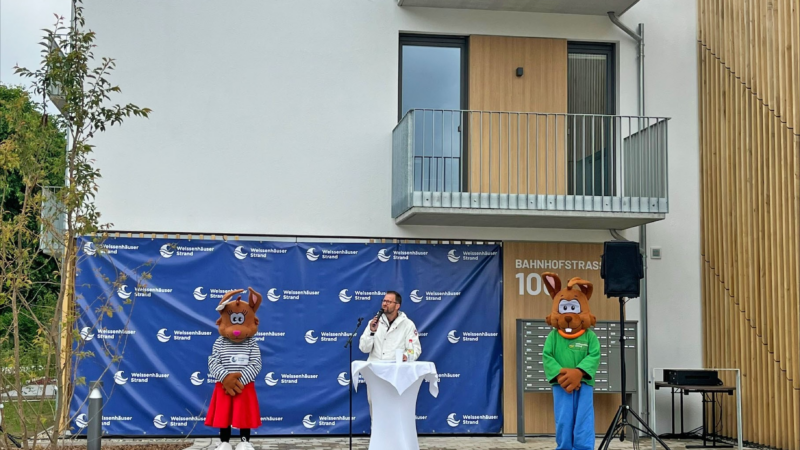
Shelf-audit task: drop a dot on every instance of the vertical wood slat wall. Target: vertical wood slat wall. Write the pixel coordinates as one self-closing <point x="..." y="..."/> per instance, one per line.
<point x="749" y="86"/>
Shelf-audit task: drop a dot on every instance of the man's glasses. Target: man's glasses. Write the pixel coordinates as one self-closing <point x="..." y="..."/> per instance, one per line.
<point x="388" y="301"/>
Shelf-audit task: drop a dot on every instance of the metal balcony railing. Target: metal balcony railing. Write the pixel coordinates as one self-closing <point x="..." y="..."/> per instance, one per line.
<point x="529" y="161"/>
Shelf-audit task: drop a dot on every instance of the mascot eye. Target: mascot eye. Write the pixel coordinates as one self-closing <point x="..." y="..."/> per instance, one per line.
<point x="237" y="318"/>
<point x="569" y="307"/>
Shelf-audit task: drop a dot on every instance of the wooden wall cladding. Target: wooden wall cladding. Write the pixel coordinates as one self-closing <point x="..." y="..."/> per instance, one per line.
<point x="749" y="85"/>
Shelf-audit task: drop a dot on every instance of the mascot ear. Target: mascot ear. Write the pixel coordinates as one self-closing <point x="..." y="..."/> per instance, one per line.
<point x="585" y="286"/>
<point x="551" y="283"/>
<point x="254" y="299"/>
<point x="227" y="299"/>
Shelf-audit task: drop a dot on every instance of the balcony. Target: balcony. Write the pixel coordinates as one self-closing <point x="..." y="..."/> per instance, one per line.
<point x="528" y="170"/>
<point x="54" y="90"/>
<point x="587" y="7"/>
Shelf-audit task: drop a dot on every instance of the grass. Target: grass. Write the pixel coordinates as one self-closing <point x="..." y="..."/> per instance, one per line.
<point x="38" y="416"/>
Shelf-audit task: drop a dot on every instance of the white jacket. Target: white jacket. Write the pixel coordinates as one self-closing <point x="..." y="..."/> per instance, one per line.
<point x="381" y="346"/>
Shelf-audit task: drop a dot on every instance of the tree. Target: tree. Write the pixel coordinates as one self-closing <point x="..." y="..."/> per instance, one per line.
<point x="68" y="67"/>
<point x="31" y="155"/>
<point x="16" y="112"/>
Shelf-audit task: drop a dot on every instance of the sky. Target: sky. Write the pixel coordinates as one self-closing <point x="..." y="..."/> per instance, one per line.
<point x="21" y="22"/>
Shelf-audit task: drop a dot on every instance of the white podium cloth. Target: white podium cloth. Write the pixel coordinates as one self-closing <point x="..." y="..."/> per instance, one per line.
<point x="393" y="389"/>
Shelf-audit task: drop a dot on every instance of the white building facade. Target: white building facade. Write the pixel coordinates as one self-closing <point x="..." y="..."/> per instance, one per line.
<point x="285" y="118"/>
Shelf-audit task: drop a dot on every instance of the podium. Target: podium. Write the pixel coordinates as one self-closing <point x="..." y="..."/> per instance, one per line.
<point x="393" y="389"/>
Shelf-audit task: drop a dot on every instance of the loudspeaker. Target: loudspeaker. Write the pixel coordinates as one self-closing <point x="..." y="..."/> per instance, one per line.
<point x="621" y="268"/>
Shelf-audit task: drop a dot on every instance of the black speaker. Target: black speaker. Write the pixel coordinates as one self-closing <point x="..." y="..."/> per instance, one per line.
<point x="621" y="268"/>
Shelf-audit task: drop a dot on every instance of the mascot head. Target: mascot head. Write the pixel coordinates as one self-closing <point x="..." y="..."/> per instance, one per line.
<point x="238" y="320"/>
<point x="570" y="313"/>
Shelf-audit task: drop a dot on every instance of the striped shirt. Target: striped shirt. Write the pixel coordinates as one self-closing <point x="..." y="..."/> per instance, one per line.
<point x="230" y="357"/>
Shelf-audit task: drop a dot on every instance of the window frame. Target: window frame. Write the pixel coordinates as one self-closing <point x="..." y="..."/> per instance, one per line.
<point x="430" y="40"/>
<point x="609" y="50"/>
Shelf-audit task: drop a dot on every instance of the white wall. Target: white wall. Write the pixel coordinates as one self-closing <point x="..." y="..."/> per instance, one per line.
<point x="674" y="304"/>
<point x="276" y="118"/>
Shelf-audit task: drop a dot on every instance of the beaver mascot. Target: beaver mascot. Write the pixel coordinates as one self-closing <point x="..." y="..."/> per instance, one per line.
<point x="571" y="357"/>
<point x="235" y="362"/>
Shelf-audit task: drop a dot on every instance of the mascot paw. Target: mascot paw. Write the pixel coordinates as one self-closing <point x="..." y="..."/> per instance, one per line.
<point x="570" y="379"/>
<point x="232" y="384"/>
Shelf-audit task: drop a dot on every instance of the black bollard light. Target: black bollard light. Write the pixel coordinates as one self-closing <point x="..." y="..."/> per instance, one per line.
<point x="94" y="431"/>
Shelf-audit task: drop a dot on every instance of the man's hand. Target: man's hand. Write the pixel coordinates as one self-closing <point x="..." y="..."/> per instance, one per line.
<point x="373" y="326"/>
<point x="570" y="379"/>
<point x="232" y="384"/>
<point x="405" y="357"/>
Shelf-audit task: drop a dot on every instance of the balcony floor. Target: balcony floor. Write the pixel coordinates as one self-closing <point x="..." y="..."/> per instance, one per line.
<point x="518" y="218"/>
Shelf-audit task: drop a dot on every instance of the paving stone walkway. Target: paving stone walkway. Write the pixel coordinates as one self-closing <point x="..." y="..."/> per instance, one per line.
<point x="428" y="443"/>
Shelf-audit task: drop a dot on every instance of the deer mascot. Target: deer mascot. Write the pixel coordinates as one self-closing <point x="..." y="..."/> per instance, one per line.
<point x="571" y="357"/>
<point x="235" y="362"/>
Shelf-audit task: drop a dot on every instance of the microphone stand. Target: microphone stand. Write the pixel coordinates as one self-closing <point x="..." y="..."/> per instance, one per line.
<point x="350" y="370"/>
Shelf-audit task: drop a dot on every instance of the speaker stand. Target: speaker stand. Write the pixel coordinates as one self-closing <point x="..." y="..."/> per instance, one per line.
<point x="620" y="421"/>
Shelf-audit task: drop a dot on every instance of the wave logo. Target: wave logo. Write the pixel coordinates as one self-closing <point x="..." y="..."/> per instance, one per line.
<point x="162" y="335"/>
<point x="159" y="422"/>
<point x="89" y="248"/>
<point x="384" y="255"/>
<point x="240" y="253"/>
<point x="123" y="292"/>
<point x="453" y="256"/>
<point x="414" y="296"/>
<point x="272" y="296"/>
<point x="344" y="297"/>
<point x="86" y="333"/>
<point x="452" y="421"/>
<point x="270" y="379"/>
<point x="119" y="378"/>
<point x="81" y="421"/>
<point x="198" y="294"/>
<point x="342" y="379"/>
<point x="166" y="251"/>
<point x="453" y="337"/>
<point x="310" y="337"/>
<point x="196" y="380"/>
<point x="308" y="423"/>
<point x="312" y="255"/>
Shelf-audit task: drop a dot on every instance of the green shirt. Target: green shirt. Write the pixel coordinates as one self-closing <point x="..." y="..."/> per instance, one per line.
<point x="580" y="353"/>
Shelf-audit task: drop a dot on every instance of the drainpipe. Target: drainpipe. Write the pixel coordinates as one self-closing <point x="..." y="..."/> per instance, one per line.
<point x="639" y="38"/>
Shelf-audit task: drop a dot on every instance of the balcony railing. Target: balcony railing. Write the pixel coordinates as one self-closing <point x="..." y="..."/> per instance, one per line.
<point x="534" y="162"/>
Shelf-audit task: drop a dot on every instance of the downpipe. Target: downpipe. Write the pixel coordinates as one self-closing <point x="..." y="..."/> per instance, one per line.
<point x="643" y="397"/>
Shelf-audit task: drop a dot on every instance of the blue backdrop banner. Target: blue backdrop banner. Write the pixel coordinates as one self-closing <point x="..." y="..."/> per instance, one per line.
<point x="146" y="328"/>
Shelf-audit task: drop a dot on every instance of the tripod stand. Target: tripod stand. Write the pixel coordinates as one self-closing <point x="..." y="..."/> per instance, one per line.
<point x="621" y="418"/>
<point x="350" y="371"/>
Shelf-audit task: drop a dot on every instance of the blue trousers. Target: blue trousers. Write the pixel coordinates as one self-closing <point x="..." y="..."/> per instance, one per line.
<point x="574" y="415"/>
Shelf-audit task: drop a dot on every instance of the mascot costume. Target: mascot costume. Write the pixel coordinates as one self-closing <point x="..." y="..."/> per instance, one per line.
<point x="235" y="362"/>
<point x="571" y="357"/>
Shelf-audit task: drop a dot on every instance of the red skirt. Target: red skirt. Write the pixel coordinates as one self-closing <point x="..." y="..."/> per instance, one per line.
<point x="240" y="411"/>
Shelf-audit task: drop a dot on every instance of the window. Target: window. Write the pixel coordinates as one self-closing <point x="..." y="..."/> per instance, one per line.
<point x="591" y="90"/>
<point x="433" y="82"/>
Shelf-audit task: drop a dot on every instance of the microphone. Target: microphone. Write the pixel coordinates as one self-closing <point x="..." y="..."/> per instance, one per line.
<point x="377" y="317"/>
